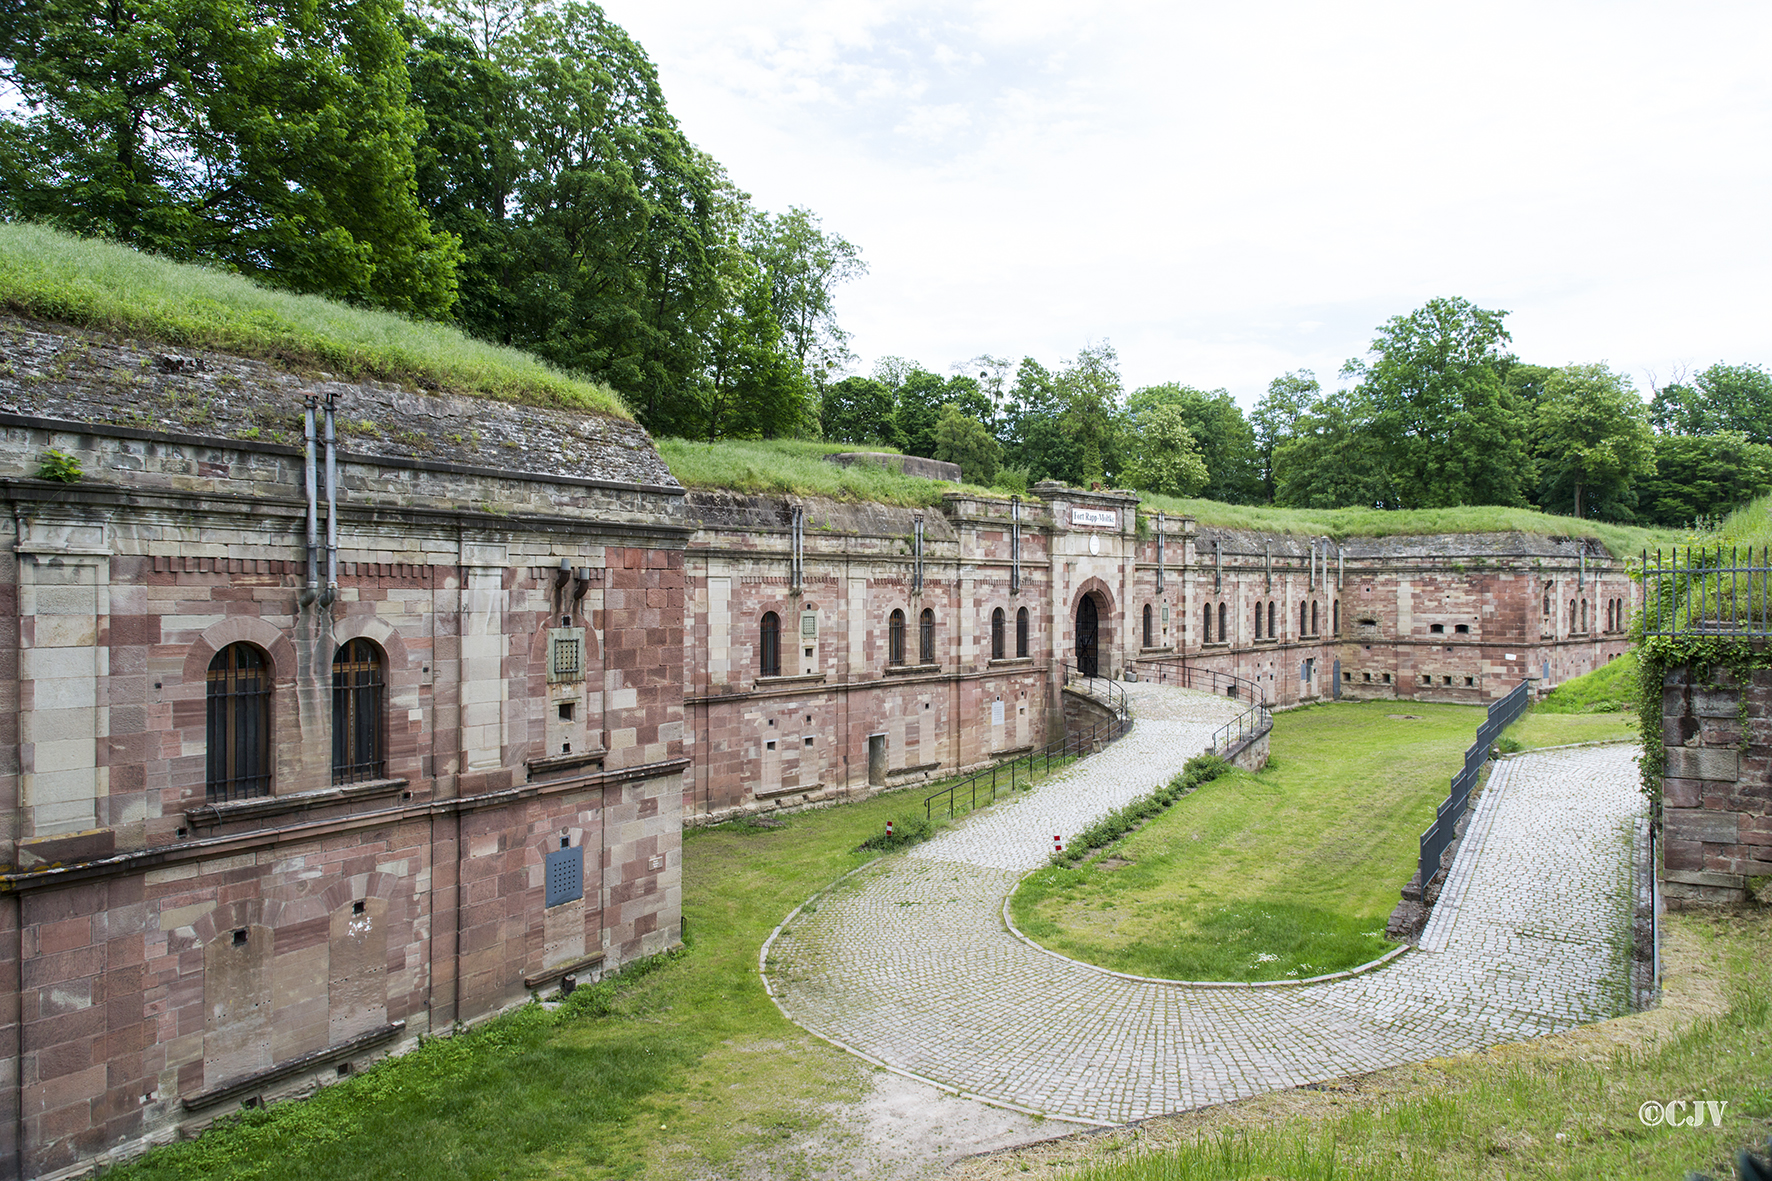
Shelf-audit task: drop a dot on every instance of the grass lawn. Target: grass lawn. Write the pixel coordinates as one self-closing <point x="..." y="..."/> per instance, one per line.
<point x="105" y="286"/>
<point x="1598" y="707"/>
<point x="1559" y="1107"/>
<point x="682" y="1071"/>
<point x="1286" y="874"/>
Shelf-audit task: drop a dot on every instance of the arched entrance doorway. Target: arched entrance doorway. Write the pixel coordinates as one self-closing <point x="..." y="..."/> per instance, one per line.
<point x="1088" y="637"/>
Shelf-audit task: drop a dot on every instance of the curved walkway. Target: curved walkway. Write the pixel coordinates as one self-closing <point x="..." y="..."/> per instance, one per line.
<point x="908" y="963"/>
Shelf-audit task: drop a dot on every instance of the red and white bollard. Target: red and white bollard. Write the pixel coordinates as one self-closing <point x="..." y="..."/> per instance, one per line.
<point x="889" y="830"/>
<point x="1057" y="845"/>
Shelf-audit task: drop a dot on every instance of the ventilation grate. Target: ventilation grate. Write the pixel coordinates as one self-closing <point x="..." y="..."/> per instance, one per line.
<point x="566" y="647"/>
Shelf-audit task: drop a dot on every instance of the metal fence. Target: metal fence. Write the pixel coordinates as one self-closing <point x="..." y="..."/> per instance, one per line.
<point x="1502" y="714"/>
<point x="1005" y="777"/>
<point x="1708" y="590"/>
<point x="1251" y="723"/>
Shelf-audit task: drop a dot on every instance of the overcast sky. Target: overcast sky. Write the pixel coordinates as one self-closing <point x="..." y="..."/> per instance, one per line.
<point x="1226" y="192"/>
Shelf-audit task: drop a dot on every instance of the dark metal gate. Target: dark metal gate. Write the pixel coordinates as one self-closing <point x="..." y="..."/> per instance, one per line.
<point x="1088" y="628"/>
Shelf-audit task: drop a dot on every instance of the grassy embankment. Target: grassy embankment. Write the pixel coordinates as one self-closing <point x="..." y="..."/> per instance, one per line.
<point x="1561" y="1107"/>
<point x="110" y="288"/>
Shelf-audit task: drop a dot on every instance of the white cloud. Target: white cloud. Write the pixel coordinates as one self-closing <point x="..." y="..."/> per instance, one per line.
<point x="1228" y="192"/>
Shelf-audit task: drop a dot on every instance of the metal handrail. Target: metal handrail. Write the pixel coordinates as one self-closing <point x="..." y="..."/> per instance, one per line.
<point x="1003" y="775"/>
<point x="1251" y="723"/>
<point x="1502" y="714"/>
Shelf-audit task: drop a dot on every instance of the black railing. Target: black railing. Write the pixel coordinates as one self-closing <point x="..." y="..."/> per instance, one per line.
<point x="1708" y="590"/>
<point x="1007" y="776"/>
<point x="1251" y="723"/>
<point x="1439" y="834"/>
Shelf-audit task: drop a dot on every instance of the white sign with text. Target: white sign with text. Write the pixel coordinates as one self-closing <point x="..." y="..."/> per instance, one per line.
<point x="1095" y="516"/>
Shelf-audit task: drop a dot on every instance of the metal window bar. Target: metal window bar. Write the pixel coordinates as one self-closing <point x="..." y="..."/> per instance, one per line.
<point x="926" y="637"/>
<point x="997" y="634"/>
<point x="895" y="638"/>
<point x="238" y="730"/>
<point x="358" y="689"/>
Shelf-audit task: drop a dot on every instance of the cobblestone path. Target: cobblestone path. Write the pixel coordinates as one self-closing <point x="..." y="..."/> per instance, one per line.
<point x="908" y="963"/>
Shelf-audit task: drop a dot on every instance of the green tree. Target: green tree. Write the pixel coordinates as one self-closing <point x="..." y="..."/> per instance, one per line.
<point x="1448" y="428"/>
<point x="1166" y="459"/>
<point x="1089" y="390"/>
<point x="962" y="439"/>
<point x="1722" y="398"/>
<point x="921" y="397"/>
<point x="805" y="264"/>
<point x="1032" y="430"/>
<point x="1703" y="476"/>
<point x="857" y="410"/>
<point x="1594" y="441"/>
<point x="1328" y="460"/>
<point x="1222" y="436"/>
<point x="1275" y="420"/>
<point x="271" y="136"/>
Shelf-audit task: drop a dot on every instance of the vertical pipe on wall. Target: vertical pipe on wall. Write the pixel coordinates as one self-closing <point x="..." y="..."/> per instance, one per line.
<point x="312" y="590"/>
<point x="331" y="591"/>
<point x="917" y="566"/>
<point x="1159" y="551"/>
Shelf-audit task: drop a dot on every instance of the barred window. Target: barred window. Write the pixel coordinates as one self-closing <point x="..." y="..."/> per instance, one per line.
<point x="926" y="637"/>
<point x="895" y="638"/>
<point x="1258" y="621"/>
<point x="1206" y="624"/>
<point x="1313" y="617"/>
<point x="358" y="689"/>
<point x="998" y="625"/>
<point x="239" y="724"/>
<point x="1149" y="636"/>
<point x="1271" y="633"/>
<point x="771" y="648"/>
<point x="1223" y="631"/>
<point x="1021" y="632"/>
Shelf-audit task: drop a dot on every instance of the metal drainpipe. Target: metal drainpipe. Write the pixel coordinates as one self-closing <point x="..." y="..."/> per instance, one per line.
<point x="331" y="591"/>
<point x="311" y="591"/>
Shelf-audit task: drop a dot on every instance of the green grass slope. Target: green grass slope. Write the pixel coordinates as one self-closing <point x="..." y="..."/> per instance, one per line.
<point x="49" y="275"/>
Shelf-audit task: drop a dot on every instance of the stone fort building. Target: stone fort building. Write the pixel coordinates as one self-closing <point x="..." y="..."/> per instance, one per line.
<point x="334" y="713"/>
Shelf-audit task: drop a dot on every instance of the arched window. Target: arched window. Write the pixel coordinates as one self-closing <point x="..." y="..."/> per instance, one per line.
<point x="358" y="685"/>
<point x="1224" y="635"/>
<point x="1584" y="615"/>
<point x="1338" y="617"/>
<point x="769" y="665"/>
<point x="926" y="637"/>
<point x="1258" y="621"/>
<point x="239" y="729"/>
<point x="997" y="626"/>
<point x="1571" y="616"/>
<point x="1301" y="618"/>
<point x="1547" y="598"/>
<point x="895" y="638"/>
<point x="1271" y="633"/>
<point x="1313" y="617"/>
<point x="1021" y="632"/>
<point x="1150" y="640"/>
<point x="1206" y="624"/>
<point x="1610" y="604"/>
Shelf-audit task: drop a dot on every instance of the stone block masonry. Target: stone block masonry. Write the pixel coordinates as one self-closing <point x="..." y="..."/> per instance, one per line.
<point x="1716" y="794"/>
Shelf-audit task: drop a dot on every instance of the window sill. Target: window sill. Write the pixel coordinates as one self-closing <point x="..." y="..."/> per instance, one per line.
<point x="1011" y="662"/>
<point x="1157" y="650"/>
<point x="565" y="762"/>
<point x="1216" y="644"/>
<point x="779" y="682"/>
<point x="911" y="670"/>
<point x="213" y="814"/>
